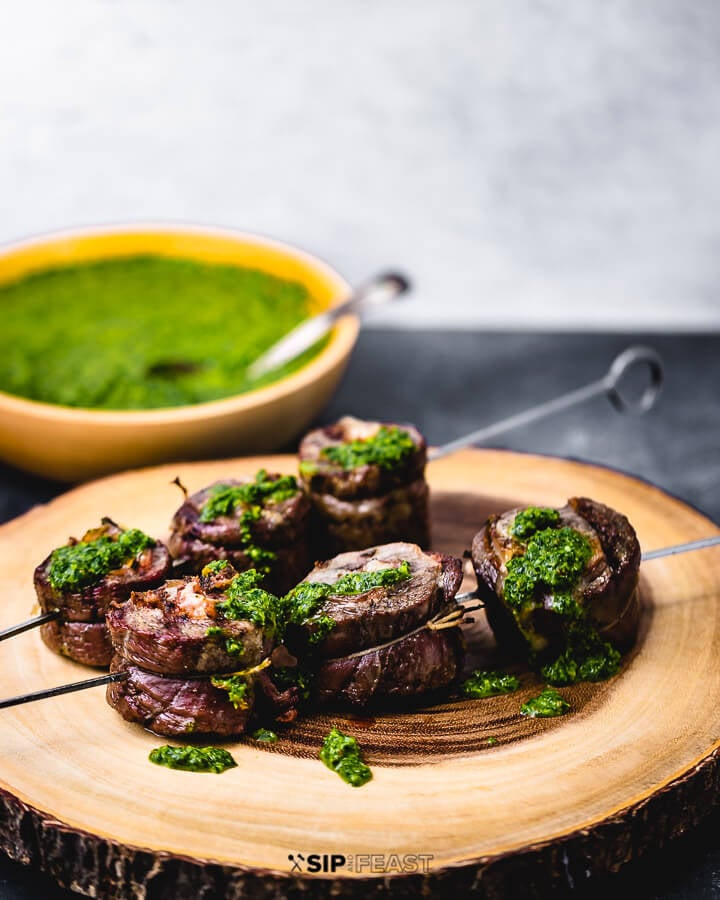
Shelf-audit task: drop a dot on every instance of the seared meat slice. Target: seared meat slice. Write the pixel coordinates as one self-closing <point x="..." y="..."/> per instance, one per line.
<point x="289" y="566"/>
<point x="279" y="525"/>
<point x="322" y="475"/>
<point x="175" y="706"/>
<point x="605" y="592"/>
<point x="423" y="661"/>
<point x="401" y="514"/>
<point x="383" y="613"/>
<point x="85" y="642"/>
<point x="89" y="604"/>
<point x="166" y="631"/>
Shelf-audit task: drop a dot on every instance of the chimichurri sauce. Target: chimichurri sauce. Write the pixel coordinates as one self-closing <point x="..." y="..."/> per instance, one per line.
<point x="143" y="332"/>
<point x="193" y="759"/>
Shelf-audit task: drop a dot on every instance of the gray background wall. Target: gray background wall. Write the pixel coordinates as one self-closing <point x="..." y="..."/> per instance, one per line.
<point x="532" y="164"/>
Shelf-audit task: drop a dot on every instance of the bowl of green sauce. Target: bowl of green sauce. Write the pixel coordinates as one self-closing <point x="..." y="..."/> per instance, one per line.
<point x="124" y="346"/>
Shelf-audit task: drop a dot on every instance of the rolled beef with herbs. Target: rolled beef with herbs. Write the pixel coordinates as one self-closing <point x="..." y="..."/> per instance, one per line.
<point x="260" y="523"/>
<point x="366" y="481"/>
<point x="84" y="577"/>
<point x="193" y="650"/>
<point x="374" y="626"/>
<point x="176" y="706"/>
<point x="561" y="584"/>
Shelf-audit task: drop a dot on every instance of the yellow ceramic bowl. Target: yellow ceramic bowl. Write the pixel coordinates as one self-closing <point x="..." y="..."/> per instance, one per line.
<point x="76" y="444"/>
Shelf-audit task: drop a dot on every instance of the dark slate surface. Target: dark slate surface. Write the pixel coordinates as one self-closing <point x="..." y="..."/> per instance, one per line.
<point x="450" y="383"/>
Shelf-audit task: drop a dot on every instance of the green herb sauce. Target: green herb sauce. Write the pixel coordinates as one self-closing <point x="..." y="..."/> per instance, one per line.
<point x="341" y="753"/>
<point x="85" y="563"/>
<point x="554" y="560"/>
<point x="532" y="519"/>
<point x="233" y="646"/>
<point x="482" y="684"/>
<point x="547" y="704"/>
<point x="387" y="448"/>
<point x="586" y="657"/>
<point x="225" y="499"/>
<point x="246" y="601"/>
<point x="300" y="677"/>
<point x="214" y="567"/>
<point x="265" y="736"/>
<point x="143" y="332"/>
<point x="303" y="603"/>
<point x="193" y="759"/>
<point x="236" y="687"/>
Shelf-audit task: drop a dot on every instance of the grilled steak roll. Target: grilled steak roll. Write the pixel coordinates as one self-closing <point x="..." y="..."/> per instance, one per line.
<point x="88" y="602"/>
<point x="175" y="706"/>
<point x="367" y="485"/>
<point x="420" y="662"/>
<point x="538" y="615"/>
<point x="261" y="523"/>
<point x="177" y="629"/>
<point x="401" y="514"/>
<point x="82" y="579"/>
<point x="373" y="629"/>
<point x="85" y="642"/>
<point x="382" y="613"/>
<point x="324" y="471"/>
<point x="193" y="650"/>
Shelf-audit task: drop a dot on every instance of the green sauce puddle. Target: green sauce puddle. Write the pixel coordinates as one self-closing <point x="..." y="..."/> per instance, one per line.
<point x="143" y="332"/>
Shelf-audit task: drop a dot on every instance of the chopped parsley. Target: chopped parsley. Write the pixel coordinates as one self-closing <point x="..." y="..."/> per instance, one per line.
<point x="341" y="753"/>
<point x="224" y="499"/>
<point x="303" y="603"/>
<point x="214" y="567"/>
<point x="586" y="657"/>
<point x="193" y="759"/>
<point x="233" y="646"/>
<point x="236" y="687"/>
<point x="553" y="561"/>
<point x="387" y="448"/>
<point x="245" y="600"/>
<point x="532" y="519"/>
<point x="249" y="498"/>
<point x="85" y="563"/>
<point x="547" y="704"/>
<point x="265" y="736"/>
<point x="483" y="684"/>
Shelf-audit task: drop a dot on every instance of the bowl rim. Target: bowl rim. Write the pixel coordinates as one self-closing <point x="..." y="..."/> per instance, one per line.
<point x="342" y="336"/>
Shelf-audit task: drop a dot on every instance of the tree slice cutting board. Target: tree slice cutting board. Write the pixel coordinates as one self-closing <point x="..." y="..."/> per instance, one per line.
<point x="465" y="795"/>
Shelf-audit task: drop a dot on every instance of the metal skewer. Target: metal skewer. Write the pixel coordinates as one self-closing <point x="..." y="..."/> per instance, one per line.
<point x="681" y="548"/>
<point x="460" y="598"/>
<point x="387" y="287"/>
<point x="64" y="689"/>
<point x="28" y="624"/>
<point x="609" y="385"/>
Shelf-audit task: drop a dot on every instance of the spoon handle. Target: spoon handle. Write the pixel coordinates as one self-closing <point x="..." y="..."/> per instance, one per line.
<point x="377" y="292"/>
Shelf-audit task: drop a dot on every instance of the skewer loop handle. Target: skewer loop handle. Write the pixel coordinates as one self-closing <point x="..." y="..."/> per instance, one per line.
<point x="623" y="363"/>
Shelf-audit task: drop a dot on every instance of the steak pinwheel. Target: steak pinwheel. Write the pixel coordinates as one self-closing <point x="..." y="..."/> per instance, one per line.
<point x="380" y="623"/>
<point x="82" y="579"/>
<point x="561" y="584"/>
<point x="193" y="650"/>
<point x="260" y="523"/>
<point x="366" y="481"/>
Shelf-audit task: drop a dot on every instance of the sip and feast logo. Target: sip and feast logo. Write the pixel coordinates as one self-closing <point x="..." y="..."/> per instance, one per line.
<point x="371" y="863"/>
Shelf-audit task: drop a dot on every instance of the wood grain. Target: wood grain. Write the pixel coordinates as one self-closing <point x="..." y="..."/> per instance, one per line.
<point x="634" y="762"/>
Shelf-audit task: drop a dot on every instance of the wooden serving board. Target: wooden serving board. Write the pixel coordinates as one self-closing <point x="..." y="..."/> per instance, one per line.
<point x="479" y="797"/>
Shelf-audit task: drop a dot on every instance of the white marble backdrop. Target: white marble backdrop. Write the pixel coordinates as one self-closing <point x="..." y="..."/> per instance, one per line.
<point x="537" y="164"/>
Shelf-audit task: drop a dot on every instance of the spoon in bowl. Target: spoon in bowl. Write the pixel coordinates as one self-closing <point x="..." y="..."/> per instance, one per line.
<point x="380" y="290"/>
